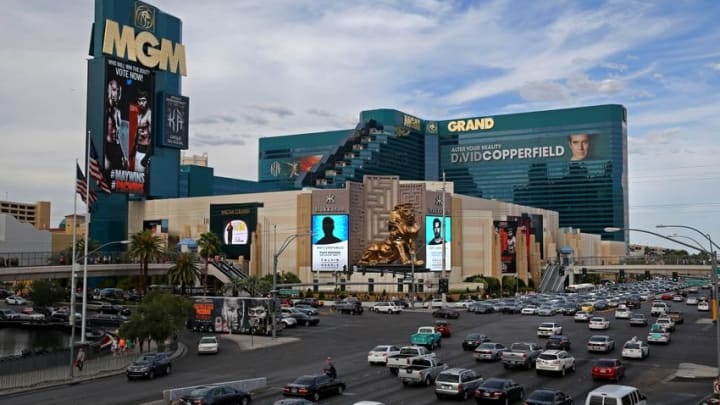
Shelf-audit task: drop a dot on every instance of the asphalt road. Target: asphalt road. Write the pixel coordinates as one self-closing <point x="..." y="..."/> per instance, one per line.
<point x="348" y="338"/>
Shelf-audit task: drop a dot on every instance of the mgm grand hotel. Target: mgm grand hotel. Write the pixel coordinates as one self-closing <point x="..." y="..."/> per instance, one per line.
<point x="491" y="195"/>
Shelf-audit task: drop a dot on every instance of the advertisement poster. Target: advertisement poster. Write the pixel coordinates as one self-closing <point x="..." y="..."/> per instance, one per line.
<point x="570" y="147"/>
<point x="127" y="137"/>
<point x="435" y="233"/>
<point x="234" y="225"/>
<point x="239" y="314"/>
<point x="176" y="111"/>
<point x="507" y="231"/>
<point x="330" y="242"/>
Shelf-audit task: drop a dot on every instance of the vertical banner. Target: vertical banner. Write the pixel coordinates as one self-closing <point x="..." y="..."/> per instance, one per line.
<point x="234" y="225"/>
<point x="175" y="120"/>
<point x="330" y="242"/>
<point x="435" y="233"/>
<point x="523" y="226"/>
<point x="127" y="124"/>
<point x="506" y="231"/>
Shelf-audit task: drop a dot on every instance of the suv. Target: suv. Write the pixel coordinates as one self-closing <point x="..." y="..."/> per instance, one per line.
<point x="149" y="365"/>
<point x="659" y="308"/>
<point x="457" y="382"/>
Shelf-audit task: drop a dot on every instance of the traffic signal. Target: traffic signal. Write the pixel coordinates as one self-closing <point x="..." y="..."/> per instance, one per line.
<point x="621" y="275"/>
<point x="443" y="286"/>
<point x="647" y="274"/>
<point x="675" y="276"/>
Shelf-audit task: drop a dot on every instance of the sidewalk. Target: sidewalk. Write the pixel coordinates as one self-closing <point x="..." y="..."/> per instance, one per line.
<point x="94" y="368"/>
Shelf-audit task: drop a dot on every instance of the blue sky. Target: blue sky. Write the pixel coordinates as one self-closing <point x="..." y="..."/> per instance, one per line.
<point x="259" y="69"/>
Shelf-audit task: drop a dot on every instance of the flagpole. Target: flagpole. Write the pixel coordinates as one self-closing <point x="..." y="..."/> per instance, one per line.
<point x="87" y="230"/>
<point x="73" y="286"/>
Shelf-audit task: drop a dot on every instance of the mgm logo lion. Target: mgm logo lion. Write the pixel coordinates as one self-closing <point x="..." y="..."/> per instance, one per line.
<point x="400" y="243"/>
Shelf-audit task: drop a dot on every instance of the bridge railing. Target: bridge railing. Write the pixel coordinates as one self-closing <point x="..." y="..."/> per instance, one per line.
<point x="646" y="259"/>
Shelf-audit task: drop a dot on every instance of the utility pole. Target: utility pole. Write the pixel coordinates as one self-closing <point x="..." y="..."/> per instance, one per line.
<point x="443" y="275"/>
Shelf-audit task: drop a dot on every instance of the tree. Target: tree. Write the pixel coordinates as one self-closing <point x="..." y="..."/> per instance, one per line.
<point x="254" y="286"/>
<point x="46" y="293"/>
<point x="184" y="271"/>
<point x="208" y="246"/>
<point x="145" y="247"/>
<point x="157" y="317"/>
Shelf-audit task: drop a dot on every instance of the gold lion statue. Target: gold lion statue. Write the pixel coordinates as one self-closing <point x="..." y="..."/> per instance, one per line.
<point x="400" y="242"/>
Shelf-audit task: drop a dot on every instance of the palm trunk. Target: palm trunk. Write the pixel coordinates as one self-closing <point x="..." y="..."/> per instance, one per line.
<point x="205" y="277"/>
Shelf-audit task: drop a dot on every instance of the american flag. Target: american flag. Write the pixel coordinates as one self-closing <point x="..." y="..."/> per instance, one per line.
<point x="81" y="187"/>
<point x="95" y="171"/>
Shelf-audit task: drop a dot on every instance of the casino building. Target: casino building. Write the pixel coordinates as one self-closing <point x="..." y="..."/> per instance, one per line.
<point x="504" y="192"/>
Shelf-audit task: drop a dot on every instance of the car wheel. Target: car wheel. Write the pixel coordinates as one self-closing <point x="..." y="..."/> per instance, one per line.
<point x="151" y="375"/>
<point x="428" y="381"/>
<point x="507" y="401"/>
<point x="340" y="389"/>
<point x="316" y="396"/>
<point x="405" y="383"/>
<point x="466" y="395"/>
<point x="306" y="323"/>
<point x="168" y="369"/>
<point x="562" y="372"/>
<point x="244" y="401"/>
<point x="393" y="371"/>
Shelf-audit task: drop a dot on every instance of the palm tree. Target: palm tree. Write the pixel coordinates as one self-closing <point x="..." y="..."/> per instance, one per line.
<point x="208" y="246"/>
<point x="184" y="271"/>
<point x="235" y="285"/>
<point x="145" y="247"/>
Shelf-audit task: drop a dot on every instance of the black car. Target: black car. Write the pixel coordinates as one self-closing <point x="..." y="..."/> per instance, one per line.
<point x="446" y="313"/>
<point x="216" y="395"/>
<point x="402" y="303"/>
<point x="480" y="308"/>
<point x="303" y="318"/>
<point x="149" y="365"/>
<point x="548" y="396"/>
<point x="294" y="401"/>
<point x="558" y="342"/>
<point x="309" y="301"/>
<point x="314" y="387"/>
<point x="474" y="340"/>
<point x="114" y="310"/>
<point x="495" y="390"/>
<point x="106" y="320"/>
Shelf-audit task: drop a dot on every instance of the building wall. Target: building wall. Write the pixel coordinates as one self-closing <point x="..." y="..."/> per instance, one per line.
<point x="37" y="214"/>
<point x="21" y="240"/>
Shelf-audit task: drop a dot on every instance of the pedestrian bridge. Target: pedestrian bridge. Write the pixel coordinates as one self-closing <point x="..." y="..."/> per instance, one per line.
<point x="93" y="270"/>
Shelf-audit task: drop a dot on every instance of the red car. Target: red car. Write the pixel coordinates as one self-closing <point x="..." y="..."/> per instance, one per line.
<point x="608" y="369"/>
<point x="666" y="297"/>
<point x="443" y="327"/>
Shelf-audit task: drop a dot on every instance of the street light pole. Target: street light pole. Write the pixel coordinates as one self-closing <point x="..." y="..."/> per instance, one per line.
<point x="443" y="274"/>
<point x="412" y="278"/>
<point x="714" y="281"/>
<point x="84" y="304"/>
<point x="276" y="254"/>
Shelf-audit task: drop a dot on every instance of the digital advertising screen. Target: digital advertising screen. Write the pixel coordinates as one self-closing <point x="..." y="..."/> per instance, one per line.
<point x="234" y="225"/>
<point x="435" y="233"/>
<point x="507" y="232"/>
<point x="175" y="120"/>
<point x="330" y="242"/>
<point x="127" y="135"/>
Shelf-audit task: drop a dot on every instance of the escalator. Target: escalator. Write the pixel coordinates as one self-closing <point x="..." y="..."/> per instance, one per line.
<point x="553" y="279"/>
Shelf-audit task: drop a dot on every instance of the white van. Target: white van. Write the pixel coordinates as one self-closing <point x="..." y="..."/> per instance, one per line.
<point x="616" y="395"/>
<point x="659" y="308"/>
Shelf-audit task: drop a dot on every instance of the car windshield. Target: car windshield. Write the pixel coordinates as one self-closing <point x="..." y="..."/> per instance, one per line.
<point x="472" y="337"/>
<point x="379" y="348"/>
<point x="493" y="383"/>
<point x="304" y="380"/>
<point x="556" y="339"/>
<point x="542" y="396"/>
<point x="632" y="345"/>
<point x="598" y="339"/>
<point x="487" y="346"/>
<point x="446" y="377"/>
<point x="604" y="363"/>
<point x="145" y="358"/>
<point x="208" y="340"/>
<point x="200" y="392"/>
<point x="545" y="356"/>
<point x="547" y="325"/>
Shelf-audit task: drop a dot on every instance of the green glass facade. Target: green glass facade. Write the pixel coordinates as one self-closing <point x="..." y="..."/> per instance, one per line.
<point x="573" y="161"/>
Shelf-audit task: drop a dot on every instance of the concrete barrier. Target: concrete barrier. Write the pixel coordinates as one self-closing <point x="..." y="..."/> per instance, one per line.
<point x="173" y="395"/>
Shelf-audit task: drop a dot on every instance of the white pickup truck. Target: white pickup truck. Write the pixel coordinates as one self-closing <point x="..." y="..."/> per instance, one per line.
<point x="406" y="356"/>
<point x="422" y="371"/>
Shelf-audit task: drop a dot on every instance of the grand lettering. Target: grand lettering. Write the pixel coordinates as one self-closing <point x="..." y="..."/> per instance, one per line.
<point x="474" y="124"/>
<point x="143" y="48"/>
